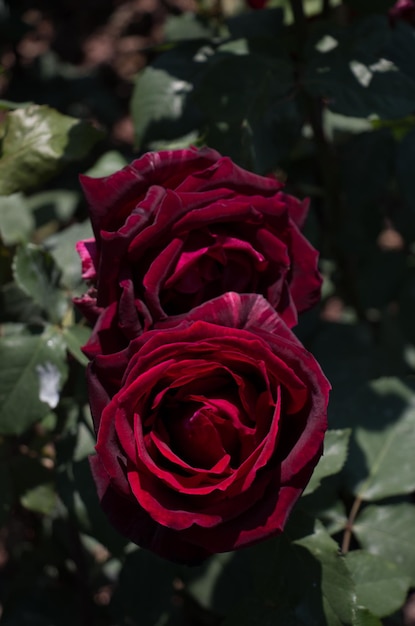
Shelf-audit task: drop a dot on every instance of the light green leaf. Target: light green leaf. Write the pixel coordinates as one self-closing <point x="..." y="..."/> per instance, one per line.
<point x="333" y="459"/>
<point x="32" y="372"/>
<point x="37" y="274"/>
<point x="16" y="221"/>
<point x="187" y="26"/>
<point x="107" y="164"/>
<point x="40" y="499"/>
<point x="62" y="248"/>
<point x="75" y="337"/>
<point x="53" y="204"/>
<point x="389" y="531"/>
<point x="384" y="420"/>
<point x="36" y="142"/>
<point x="85" y="444"/>
<point x="363" y="617"/>
<point x="8" y="104"/>
<point x="158" y="99"/>
<point x="337" y="587"/>
<point x="179" y="143"/>
<point x="380" y="585"/>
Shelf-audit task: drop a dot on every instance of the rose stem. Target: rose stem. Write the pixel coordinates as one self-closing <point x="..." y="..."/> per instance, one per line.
<point x="349" y="525"/>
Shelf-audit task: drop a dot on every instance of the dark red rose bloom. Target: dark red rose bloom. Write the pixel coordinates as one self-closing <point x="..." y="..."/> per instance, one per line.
<point x="257" y="4"/>
<point x="208" y="429"/>
<point x="403" y="10"/>
<point x="175" y="229"/>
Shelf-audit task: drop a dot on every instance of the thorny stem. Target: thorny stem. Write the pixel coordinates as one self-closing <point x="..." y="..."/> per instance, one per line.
<point x="349" y="525"/>
<point x="335" y="211"/>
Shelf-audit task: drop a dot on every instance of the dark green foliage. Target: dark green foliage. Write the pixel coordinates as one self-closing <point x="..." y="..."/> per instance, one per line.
<point x="326" y="101"/>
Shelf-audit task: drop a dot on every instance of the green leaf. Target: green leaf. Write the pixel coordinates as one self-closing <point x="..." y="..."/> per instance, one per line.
<point x="300" y="578"/>
<point x="336" y="583"/>
<point x="335" y="452"/>
<point x="251" y="114"/>
<point x="53" y="205"/>
<point x="16" y="221"/>
<point x="32" y="372"/>
<point x="17" y="307"/>
<point x="37" y="274"/>
<point x="62" y="247"/>
<point x="8" y="104"/>
<point x="363" y="617"/>
<point x="380" y="585"/>
<point x="37" y="141"/>
<point x="389" y="531"/>
<point x="75" y="337"/>
<point x="401" y="47"/>
<point x="187" y="26"/>
<point x="107" y="164"/>
<point x="355" y="75"/>
<point x="40" y="499"/>
<point x="158" y="105"/>
<point x="382" y="461"/>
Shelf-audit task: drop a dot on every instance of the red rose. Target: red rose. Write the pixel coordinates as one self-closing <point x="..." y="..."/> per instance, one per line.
<point x="175" y="229"/>
<point x="208" y="429"/>
<point x="403" y="10"/>
<point x="257" y="4"/>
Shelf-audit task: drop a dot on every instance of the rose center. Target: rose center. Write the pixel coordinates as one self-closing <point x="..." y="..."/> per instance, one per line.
<point x="211" y="264"/>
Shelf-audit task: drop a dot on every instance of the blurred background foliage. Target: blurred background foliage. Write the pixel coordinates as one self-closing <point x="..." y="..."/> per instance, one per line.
<point x="319" y="93"/>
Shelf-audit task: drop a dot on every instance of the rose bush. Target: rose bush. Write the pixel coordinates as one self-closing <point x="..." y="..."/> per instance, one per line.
<point x="208" y="428"/>
<point x="177" y="228"/>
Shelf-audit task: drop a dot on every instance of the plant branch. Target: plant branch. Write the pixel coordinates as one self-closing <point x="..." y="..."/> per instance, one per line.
<point x="349" y="525"/>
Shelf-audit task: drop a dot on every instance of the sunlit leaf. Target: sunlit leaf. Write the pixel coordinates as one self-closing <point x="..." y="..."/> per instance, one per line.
<point x="363" y="617"/>
<point x="32" y="372"/>
<point x="384" y="433"/>
<point x="380" y="585"/>
<point x="41" y="499"/>
<point x="37" y="141"/>
<point x="16" y="221"/>
<point x="389" y="531"/>
<point x="37" y="274"/>
<point x="63" y="250"/>
<point x="107" y="164"/>
<point x="335" y="452"/>
<point x="75" y="337"/>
